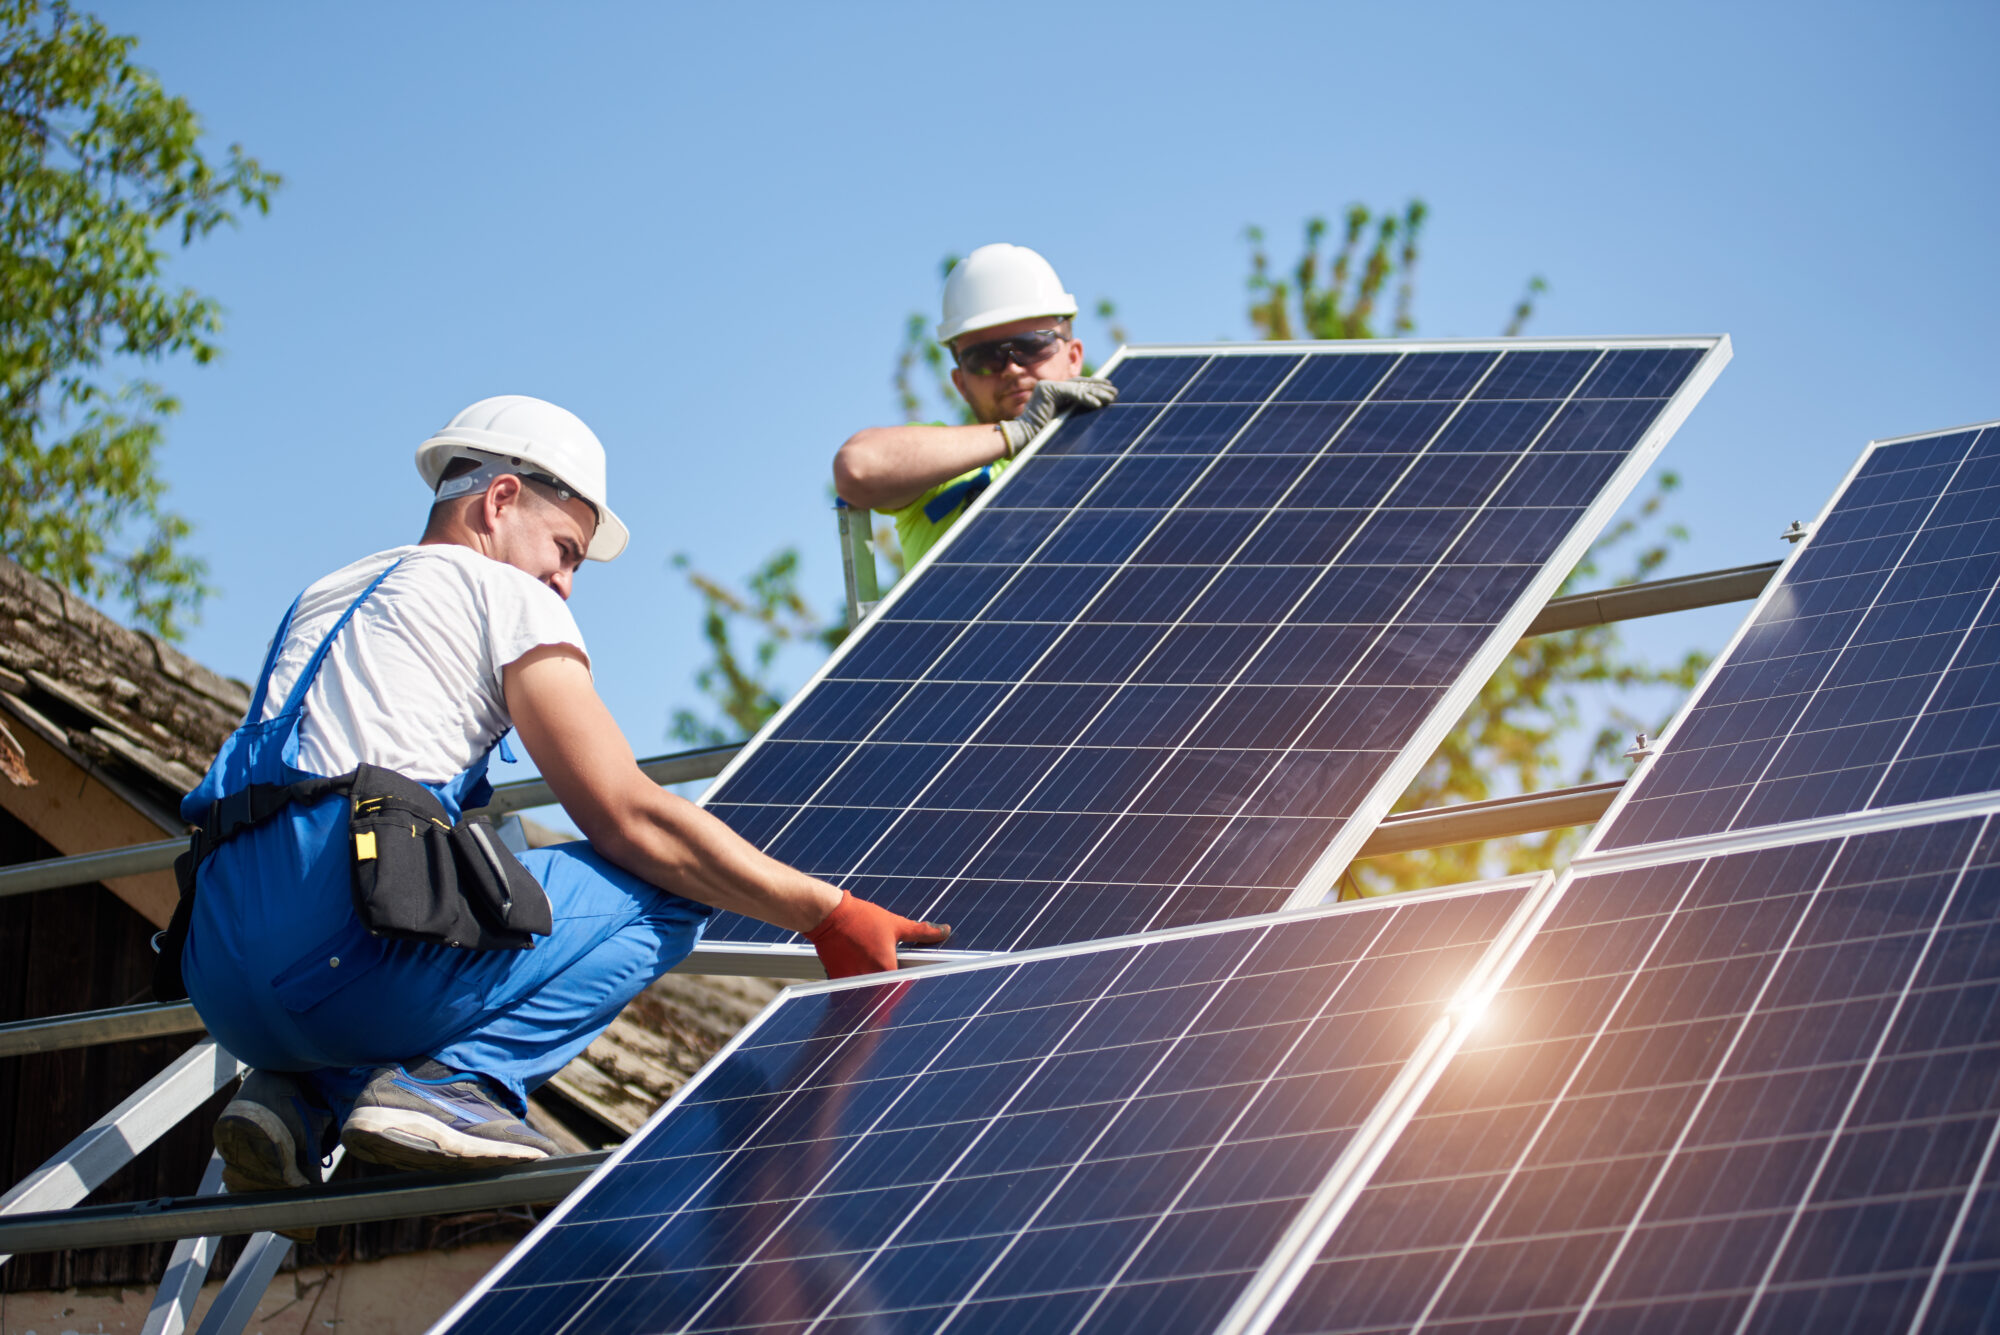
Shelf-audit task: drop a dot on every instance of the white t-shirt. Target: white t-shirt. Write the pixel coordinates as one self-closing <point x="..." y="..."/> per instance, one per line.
<point x="413" y="682"/>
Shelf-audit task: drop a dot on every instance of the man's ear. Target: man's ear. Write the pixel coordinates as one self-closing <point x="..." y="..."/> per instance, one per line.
<point x="958" y="383"/>
<point x="502" y="495"/>
<point x="1075" y="358"/>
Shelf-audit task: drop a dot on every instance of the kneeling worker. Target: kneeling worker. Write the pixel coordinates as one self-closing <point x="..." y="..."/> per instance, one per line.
<point x="1017" y="362"/>
<point x="395" y="975"/>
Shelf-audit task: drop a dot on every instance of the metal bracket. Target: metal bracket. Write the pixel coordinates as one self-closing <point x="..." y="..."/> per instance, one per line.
<point x="857" y="560"/>
<point x="111" y="1142"/>
<point x="188" y="1267"/>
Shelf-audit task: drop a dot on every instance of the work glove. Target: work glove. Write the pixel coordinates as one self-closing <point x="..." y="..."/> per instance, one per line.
<point x="1051" y="399"/>
<point x="860" y="937"/>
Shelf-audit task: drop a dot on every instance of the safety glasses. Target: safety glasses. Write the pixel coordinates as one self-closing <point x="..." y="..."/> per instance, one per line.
<point x="1029" y="349"/>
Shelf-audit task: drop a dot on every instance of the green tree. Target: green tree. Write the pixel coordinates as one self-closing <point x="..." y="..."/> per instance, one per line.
<point x="772" y="607"/>
<point x="100" y="168"/>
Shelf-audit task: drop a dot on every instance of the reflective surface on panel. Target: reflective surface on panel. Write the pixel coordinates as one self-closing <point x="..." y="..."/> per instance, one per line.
<point x="1149" y="683"/>
<point x="1758" y="1092"/>
<point x="1109" y="1140"/>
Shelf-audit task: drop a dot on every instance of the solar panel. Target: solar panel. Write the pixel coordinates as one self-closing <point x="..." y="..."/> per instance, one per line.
<point x="1869" y="672"/>
<point x="1749" y="1091"/>
<point x="1111" y="1137"/>
<point x="1177" y="662"/>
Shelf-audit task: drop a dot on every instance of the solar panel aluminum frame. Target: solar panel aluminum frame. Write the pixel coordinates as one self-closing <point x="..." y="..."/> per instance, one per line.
<point x="1265" y="1294"/>
<point x="1749" y="840"/>
<point x="797" y="960"/>
<point x="1588" y="857"/>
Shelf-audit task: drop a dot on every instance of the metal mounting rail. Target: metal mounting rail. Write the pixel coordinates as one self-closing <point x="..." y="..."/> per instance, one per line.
<point x="86" y="868"/>
<point x="1654" y="598"/>
<point x="405" y="1196"/>
<point x="1496" y="818"/>
<point x="82" y="1029"/>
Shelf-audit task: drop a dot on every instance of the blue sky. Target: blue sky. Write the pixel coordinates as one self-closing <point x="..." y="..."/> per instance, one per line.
<point x="701" y="228"/>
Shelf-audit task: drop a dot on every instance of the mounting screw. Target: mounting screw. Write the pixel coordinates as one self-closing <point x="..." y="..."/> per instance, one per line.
<point x="1796" y="533"/>
<point x="1639" y="750"/>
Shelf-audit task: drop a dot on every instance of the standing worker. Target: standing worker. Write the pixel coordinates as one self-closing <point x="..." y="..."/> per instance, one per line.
<point x="1017" y="362"/>
<point x="392" y="972"/>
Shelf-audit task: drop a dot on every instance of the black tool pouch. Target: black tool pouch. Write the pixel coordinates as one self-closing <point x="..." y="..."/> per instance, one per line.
<point x="418" y="877"/>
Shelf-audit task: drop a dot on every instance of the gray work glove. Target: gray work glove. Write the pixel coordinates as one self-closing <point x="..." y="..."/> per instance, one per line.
<point x="1052" y="398"/>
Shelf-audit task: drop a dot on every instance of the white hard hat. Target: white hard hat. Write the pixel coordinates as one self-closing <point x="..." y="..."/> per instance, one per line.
<point x="538" y="437"/>
<point x="999" y="283"/>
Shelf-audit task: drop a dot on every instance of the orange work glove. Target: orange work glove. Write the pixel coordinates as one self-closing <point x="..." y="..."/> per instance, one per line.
<point x="860" y="937"/>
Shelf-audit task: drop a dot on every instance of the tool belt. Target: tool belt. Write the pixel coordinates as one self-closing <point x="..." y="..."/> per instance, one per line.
<point x="414" y="874"/>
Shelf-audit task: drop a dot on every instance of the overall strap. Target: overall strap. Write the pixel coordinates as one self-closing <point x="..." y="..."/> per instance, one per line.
<point x="296" y="700"/>
<point x="271" y="661"/>
<point x="958" y="495"/>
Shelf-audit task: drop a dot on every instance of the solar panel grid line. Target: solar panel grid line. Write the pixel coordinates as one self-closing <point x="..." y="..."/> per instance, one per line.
<point x="897" y="592"/>
<point x="1982" y="1173"/>
<point x="1860" y="620"/>
<point x="882" y="608"/>
<point x="1243" y="544"/>
<point x="1796" y="577"/>
<point x="1972" y="629"/>
<point x="1249" y="934"/>
<point x="1137" y="667"/>
<point x="1861" y="1082"/>
<point x="1219" y="836"/>
<point x="1600" y="354"/>
<point x="1890" y="893"/>
<point x="981" y="502"/>
<point x="1263" y="1299"/>
<point x="1365" y="347"/>
<point x="741" y="1038"/>
<point x="1325" y="873"/>
<point x="1859" y="1087"/>
<point x="1689" y="1121"/>
<point x="1535" y="1137"/>
<point x="1076" y="1026"/>
<point x="938" y="549"/>
<point x="1186" y="1186"/>
<point x="1132" y="804"/>
<point x="1317" y="882"/>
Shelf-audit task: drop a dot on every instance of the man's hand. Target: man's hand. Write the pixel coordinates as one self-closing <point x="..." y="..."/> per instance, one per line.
<point x="860" y="937"/>
<point x="1051" y="399"/>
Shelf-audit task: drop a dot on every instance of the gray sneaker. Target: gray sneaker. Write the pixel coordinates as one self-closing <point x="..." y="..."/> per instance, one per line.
<point x="271" y="1136"/>
<point x="430" y="1118"/>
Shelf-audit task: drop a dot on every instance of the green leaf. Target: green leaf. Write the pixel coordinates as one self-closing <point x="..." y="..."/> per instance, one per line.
<point x="100" y="168"/>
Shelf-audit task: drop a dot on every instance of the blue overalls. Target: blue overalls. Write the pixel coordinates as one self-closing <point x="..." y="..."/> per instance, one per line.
<point x="287" y="979"/>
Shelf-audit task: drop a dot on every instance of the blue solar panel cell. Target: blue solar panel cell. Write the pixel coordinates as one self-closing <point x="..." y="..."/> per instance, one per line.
<point x="1118" y="1136"/>
<point x="1337" y="532"/>
<point x="1866" y="679"/>
<point x="1758" y="1091"/>
<point x="1143" y="380"/>
<point x="1239" y="379"/>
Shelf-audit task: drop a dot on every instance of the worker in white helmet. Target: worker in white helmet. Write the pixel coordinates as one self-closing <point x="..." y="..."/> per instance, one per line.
<point x="392" y="972"/>
<point x="1018" y="364"/>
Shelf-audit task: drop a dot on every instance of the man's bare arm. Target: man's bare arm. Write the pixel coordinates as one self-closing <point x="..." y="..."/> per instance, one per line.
<point x="641" y="827"/>
<point x="887" y="467"/>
